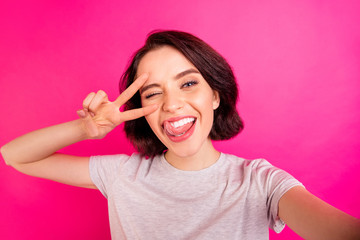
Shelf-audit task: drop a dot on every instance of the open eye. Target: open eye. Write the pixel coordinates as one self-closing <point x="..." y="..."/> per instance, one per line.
<point x="189" y="84"/>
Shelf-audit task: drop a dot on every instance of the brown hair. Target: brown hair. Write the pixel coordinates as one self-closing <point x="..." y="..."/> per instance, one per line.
<point x="214" y="69"/>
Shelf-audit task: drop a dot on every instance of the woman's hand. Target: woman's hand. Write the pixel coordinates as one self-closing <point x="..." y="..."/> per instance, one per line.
<point x="100" y="116"/>
<point x="35" y="153"/>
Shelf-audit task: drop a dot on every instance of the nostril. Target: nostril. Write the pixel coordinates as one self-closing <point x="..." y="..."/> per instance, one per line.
<point x="172" y="104"/>
<point x="171" y="107"/>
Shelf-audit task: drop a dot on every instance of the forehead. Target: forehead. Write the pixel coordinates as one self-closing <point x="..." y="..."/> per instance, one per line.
<point x="164" y="61"/>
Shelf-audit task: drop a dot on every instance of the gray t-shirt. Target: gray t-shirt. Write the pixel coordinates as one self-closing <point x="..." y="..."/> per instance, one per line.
<point x="234" y="198"/>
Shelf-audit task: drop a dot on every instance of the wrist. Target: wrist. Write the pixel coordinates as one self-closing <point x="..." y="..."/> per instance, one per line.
<point x="80" y="130"/>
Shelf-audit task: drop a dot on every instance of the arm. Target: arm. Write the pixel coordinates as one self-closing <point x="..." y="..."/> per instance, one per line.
<point x="35" y="153"/>
<point x="313" y="218"/>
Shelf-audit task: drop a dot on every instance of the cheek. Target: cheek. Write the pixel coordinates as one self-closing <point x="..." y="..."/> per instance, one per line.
<point x="152" y="121"/>
<point x="149" y="120"/>
<point x="204" y="102"/>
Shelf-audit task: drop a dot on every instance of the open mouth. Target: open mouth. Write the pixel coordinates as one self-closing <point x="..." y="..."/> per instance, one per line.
<point x="179" y="127"/>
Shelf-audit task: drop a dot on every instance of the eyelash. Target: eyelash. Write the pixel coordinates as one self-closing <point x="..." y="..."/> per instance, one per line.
<point x="189" y="83"/>
<point x="185" y="85"/>
<point x="151" y="94"/>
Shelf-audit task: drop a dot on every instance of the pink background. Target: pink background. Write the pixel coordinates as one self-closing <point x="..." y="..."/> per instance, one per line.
<point x="297" y="64"/>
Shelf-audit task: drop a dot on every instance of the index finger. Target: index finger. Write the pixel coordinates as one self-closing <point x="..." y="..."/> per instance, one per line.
<point x="131" y="90"/>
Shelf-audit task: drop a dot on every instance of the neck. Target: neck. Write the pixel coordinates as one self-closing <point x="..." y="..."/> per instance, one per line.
<point x="203" y="158"/>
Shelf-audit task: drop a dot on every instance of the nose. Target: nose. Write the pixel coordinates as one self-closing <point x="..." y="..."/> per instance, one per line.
<point x="172" y="102"/>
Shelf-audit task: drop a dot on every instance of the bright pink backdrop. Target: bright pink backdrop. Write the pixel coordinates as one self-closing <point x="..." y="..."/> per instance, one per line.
<point x="297" y="64"/>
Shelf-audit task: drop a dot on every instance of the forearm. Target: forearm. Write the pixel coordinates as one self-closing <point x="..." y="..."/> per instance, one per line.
<point x="39" y="144"/>
<point x="313" y="218"/>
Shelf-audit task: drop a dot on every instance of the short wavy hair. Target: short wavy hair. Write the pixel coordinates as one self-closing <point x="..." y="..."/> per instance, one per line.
<point x="214" y="69"/>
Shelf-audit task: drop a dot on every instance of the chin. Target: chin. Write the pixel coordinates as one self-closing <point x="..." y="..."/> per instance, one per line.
<point x="184" y="152"/>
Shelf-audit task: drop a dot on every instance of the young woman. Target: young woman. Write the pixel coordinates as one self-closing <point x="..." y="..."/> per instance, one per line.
<point x="179" y="95"/>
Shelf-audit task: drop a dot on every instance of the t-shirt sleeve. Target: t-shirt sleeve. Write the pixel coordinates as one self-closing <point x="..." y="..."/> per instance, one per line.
<point x="276" y="183"/>
<point x="104" y="170"/>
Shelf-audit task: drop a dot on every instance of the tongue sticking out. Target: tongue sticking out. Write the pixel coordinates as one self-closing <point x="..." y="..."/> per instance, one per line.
<point x="170" y="129"/>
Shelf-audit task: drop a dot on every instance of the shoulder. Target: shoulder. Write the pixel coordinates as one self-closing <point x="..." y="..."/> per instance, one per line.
<point x="117" y="158"/>
<point x="259" y="171"/>
<point x="106" y="169"/>
<point x="249" y="171"/>
<point x="113" y="157"/>
<point x="119" y="162"/>
<point x="246" y="164"/>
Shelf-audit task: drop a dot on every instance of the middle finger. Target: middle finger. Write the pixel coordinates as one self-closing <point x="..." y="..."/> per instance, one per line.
<point x="131" y="90"/>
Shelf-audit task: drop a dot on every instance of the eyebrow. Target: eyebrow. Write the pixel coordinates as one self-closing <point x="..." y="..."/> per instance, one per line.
<point x="186" y="72"/>
<point x="178" y="76"/>
<point x="143" y="89"/>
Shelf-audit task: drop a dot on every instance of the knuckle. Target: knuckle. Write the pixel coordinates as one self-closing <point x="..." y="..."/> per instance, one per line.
<point x="88" y="99"/>
<point x="126" y="95"/>
<point x="101" y="93"/>
<point x="92" y="109"/>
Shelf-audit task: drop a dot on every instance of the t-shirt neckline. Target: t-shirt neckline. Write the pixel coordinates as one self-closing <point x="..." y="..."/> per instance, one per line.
<point x="211" y="168"/>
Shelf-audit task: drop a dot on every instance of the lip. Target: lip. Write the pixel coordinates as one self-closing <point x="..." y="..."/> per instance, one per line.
<point x="186" y="135"/>
<point x="174" y="119"/>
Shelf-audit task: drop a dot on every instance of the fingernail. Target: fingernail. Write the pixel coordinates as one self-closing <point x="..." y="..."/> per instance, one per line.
<point x="81" y="113"/>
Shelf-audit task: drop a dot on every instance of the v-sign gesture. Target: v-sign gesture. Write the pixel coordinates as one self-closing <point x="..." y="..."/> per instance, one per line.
<point x="35" y="153"/>
<point x="100" y="115"/>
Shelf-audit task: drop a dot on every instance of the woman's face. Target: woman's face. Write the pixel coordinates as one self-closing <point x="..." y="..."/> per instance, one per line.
<point x="186" y="102"/>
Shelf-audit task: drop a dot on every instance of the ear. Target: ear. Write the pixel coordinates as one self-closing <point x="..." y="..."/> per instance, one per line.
<point x="216" y="99"/>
